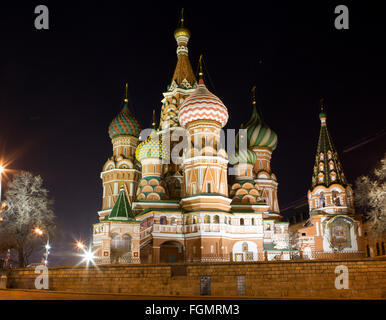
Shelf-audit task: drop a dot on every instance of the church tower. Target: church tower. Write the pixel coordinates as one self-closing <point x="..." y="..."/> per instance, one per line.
<point x="183" y="84"/>
<point x="205" y="160"/>
<point x="262" y="140"/>
<point x="121" y="169"/>
<point x="333" y="225"/>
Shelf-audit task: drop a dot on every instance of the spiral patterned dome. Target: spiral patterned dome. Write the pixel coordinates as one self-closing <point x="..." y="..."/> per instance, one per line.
<point x="202" y="105"/>
<point x="259" y="134"/>
<point x="152" y="147"/>
<point x="124" y="124"/>
<point x="247" y="156"/>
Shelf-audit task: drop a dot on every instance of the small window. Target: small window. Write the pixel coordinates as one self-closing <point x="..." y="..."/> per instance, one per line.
<point x="241" y="221"/>
<point x="303" y="234"/>
<point x="253" y="222"/>
<point x="209" y="188"/>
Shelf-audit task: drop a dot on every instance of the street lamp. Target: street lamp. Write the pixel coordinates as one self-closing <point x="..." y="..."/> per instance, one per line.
<point x="88" y="254"/>
<point x="38" y="231"/>
<point x="1" y="172"/>
<point x="80" y="245"/>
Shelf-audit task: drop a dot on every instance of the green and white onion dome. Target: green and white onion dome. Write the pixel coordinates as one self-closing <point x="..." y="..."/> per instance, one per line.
<point x="259" y="134"/>
<point x="244" y="156"/>
<point x="152" y="147"/>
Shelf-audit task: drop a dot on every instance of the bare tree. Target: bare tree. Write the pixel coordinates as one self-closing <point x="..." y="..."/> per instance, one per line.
<point x="370" y="195"/>
<point x="28" y="206"/>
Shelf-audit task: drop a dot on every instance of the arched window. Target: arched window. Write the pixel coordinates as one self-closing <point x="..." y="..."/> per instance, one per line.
<point x="335" y="198"/>
<point x="126" y="242"/>
<point x="195" y="220"/>
<point x="162" y="220"/>
<point x="216" y="219"/>
<point x="173" y="221"/>
<point x="377" y="247"/>
<point x="241" y="221"/>
<point x="115" y="239"/>
<point x="322" y="200"/>
<point x="207" y="219"/>
<point x="253" y="222"/>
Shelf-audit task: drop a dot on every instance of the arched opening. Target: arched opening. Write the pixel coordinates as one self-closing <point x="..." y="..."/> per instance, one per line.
<point x="207" y="218"/>
<point x="216" y="219"/>
<point x="171" y="251"/>
<point x="241" y="221"/>
<point x="120" y="248"/>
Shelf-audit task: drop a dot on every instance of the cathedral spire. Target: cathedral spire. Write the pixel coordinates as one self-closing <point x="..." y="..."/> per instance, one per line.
<point x="126" y="99"/>
<point x="327" y="169"/>
<point x="183" y="74"/>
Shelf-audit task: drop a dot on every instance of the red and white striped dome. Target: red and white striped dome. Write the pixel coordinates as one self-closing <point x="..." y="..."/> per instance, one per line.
<point x="202" y="105"/>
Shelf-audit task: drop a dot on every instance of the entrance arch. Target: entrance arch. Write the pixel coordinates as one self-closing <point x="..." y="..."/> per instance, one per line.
<point x="171" y="251"/>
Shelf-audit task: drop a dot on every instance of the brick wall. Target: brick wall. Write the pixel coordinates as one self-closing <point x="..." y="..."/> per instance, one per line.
<point x="292" y="279"/>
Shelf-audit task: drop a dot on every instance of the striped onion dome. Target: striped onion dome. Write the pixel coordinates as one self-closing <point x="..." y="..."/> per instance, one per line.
<point x="259" y="133"/>
<point x="202" y="105"/>
<point x="244" y="156"/>
<point x="124" y="124"/>
<point x="152" y="147"/>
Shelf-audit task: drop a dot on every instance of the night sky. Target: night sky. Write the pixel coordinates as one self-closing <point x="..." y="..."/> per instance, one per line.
<point x="60" y="88"/>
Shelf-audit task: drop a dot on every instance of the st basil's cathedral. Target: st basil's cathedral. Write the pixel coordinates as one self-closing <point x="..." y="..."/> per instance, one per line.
<point x="190" y="209"/>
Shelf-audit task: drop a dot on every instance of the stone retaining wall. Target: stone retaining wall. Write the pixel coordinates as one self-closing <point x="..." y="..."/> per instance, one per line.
<point x="292" y="279"/>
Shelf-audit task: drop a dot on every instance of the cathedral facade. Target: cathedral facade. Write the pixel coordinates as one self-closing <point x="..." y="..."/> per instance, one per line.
<point x="164" y="206"/>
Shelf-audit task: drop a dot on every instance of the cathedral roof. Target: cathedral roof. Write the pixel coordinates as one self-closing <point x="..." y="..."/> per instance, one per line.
<point x="259" y="134"/>
<point x="121" y="210"/>
<point x="183" y="74"/>
<point x="202" y="105"/>
<point x="152" y="147"/>
<point x="327" y="169"/>
<point x="243" y="156"/>
<point x="124" y="124"/>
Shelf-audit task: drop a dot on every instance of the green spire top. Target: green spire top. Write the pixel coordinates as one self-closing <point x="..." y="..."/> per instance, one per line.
<point x="122" y="209"/>
<point x="322" y="113"/>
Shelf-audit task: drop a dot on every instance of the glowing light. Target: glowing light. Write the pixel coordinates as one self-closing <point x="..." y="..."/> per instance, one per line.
<point x="88" y="256"/>
<point x="48" y="246"/>
<point x="1" y="169"/>
<point x="80" y="245"/>
<point x="38" y="231"/>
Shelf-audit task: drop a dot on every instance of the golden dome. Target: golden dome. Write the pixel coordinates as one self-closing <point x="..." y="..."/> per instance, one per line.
<point x="181" y="31"/>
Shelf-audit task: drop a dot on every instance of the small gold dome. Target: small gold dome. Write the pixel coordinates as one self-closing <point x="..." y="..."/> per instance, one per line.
<point x="181" y="31"/>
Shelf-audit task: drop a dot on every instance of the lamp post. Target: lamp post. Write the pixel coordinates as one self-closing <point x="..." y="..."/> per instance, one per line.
<point x="1" y="172"/>
<point x="38" y="231"/>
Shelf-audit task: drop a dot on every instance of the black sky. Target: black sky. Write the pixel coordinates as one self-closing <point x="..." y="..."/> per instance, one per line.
<point x="60" y="88"/>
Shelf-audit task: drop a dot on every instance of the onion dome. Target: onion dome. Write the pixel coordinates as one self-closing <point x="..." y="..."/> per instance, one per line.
<point x="259" y="134"/>
<point x="202" y="105"/>
<point x="245" y="156"/>
<point x="124" y="124"/>
<point x="152" y="147"/>
<point x="181" y="31"/>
